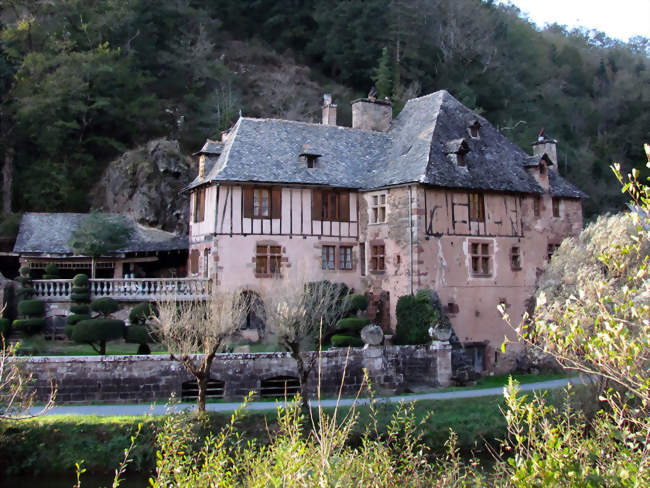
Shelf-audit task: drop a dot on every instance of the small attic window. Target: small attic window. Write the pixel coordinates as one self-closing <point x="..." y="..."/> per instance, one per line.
<point x="309" y="159"/>
<point x="473" y="129"/>
<point x="460" y="159"/>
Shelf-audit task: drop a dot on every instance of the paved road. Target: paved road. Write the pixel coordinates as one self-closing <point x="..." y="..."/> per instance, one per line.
<point x="142" y="409"/>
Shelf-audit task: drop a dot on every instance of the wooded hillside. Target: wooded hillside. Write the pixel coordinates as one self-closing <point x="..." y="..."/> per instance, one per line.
<point x="83" y="81"/>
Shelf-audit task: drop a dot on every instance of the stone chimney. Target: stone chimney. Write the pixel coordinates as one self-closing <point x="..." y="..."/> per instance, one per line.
<point x="371" y="114"/>
<point x="547" y="146"/>
<point x="329" y="110"/>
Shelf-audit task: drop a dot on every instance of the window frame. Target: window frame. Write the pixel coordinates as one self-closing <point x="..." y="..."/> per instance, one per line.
<point x="378" y="207"/>
<point x="476" y="207"/>
<point x="328" y="257"/>
<point x="268" y="260"/>
<point x="481" y="258"/>
<point x="345" y="258"/>
<point x="515" y="258"/>
<point x="555" y="204"/>
<point x="258" y="199"/>
<point x="537" y="206"/>
<point x="377" y="258"/>
<point x="199" y="205"/>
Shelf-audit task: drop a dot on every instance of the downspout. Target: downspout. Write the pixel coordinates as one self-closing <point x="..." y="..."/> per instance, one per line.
<point x="411" y="236"/>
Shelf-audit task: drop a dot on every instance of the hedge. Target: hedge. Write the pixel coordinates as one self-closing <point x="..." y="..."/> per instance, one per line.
<point x="355" y="302"/>
<point x="80" y="280"/>
<point x="95" y="330"/>
<point x="4" y="327"/>
<point x="340" y="340"/>
<point x="51" y="270"/>
<point x="138" y="334"/>
<point x="31" y="308"/>
<point x="80" y="297"/>
<point x="141" y="312"/>
<point x="352" y="323"/>
<point x="83" y="309"/>
<point x="414" y="318"/>
<point x="30" y="326"/>
<point x="104" y="306"/>
<point x="76" y="318"/>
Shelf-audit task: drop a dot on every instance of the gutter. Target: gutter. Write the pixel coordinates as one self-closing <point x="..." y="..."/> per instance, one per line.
<point x="411" y="237"/>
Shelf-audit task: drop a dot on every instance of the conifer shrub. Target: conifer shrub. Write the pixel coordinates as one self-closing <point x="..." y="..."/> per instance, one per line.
<point x="81" y="280"/>
<point x="104" y="306"/>
<point x="97" y="332"/>
<point x="31" y="308"/>
<point x="352" y="324"/>
<point x="30" y="326"/>
<point x="356" y="302"/>
<point x="141" y="312"/>
<point x="51" y="272"/>
<point x="80" y="309"/>
<point x="4" y="327"/>
<point x="76" y="318"/>
<point x="342" y="340"/>
<point x="415" y="316"/>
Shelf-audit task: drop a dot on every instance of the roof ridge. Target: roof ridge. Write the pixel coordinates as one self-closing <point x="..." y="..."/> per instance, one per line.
<point x="315" y="124"/>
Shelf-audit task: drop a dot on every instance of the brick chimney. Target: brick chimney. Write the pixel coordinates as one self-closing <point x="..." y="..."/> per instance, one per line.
<point x="371" y="114"/>
<point x="329" y="110"/>
<point x="547" y="146"/>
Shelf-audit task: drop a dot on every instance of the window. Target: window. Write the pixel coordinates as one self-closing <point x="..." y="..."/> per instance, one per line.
<point x="362" y="257"/>
<point x="194" y="261"/>
<point x="268" y="259"/>
<point x="474" y="129"/>
<point x="476" y="207"/>
<point x="377" y="257"/>
<point x="310" y="160"/>
<point x="460" y="159"/>
<point x="262" y="203"/>
<point x="542" y="169"/>
<point x="201" y="165"/>
<point x="330" y="205"/>
<point x="199" y="205"/>
<point x="206" y="262"/>
<point x="537" y="204"/>
<point x="556" y="207"/>
<point x="345" y="257"/>
<point x="378" y="209"/>
<point x="550" y="250"/>
<point x="328" y="257"/>
<point x="515" y="258"/>
<point x="481" y="257"/>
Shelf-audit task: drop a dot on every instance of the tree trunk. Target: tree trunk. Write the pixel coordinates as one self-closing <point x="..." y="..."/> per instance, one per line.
<point x="202" y="383"/>
<point x="102" y="348"/>
<point x="7" y="179"/>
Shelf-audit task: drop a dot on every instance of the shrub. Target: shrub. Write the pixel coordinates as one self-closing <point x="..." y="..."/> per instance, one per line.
<point x="414" y="318"/>
<point x="25" y="272"/>
<point x="80" y="280"/>
<point x="138" y="334"/>
<point x="341" y="340"/>
<point x="52" y="270"/>
<point x="24" y="293"/>
<point x="355" y="302"/>
<point x="30" y="326"/>
<point x="31" y="308"/>
<point x="4" y="327"/>
<point x="80" y="308"/>
<point x="80" y="297"/>
<point x="104" y="306"/>
<point x="76" y="318"/>
<point x="354" y="324"/>
<point x="97" y="331"/>
<point x="141" y="312"/>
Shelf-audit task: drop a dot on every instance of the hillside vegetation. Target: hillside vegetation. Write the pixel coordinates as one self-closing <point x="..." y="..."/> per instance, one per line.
<point x="82" y="82"/>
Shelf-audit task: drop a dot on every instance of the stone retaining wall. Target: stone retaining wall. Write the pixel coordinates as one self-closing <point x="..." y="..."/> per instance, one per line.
<point x="128" y="379"/>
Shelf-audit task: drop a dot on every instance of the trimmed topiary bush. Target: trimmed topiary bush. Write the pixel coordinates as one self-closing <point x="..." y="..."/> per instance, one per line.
<point x="81" y="308"/>
<point x="81" y="280"/>
<point x="29" y="326"/>
<point x="138" y="334"/>
<point x="31" y="308"/>
<point x="104" y="306"/>
<point x="355" y="302"/>
<point x="51" y="272"/>
<point x="5" y="324"/>
<point x="76" y="318"/>
<point x="97" y="332"/>
<point x="341" y="340"/>
<point x="354" y="324"/>
<point x="141" y="313"/>
<point x="414" y="318"/>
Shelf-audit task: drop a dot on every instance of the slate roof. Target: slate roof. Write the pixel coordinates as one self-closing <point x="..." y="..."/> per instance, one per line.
<point x="49" y="233"/>
<point x="416" y="149"/>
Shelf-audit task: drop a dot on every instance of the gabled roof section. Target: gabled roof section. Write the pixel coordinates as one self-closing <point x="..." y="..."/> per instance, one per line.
<point x="560" y="187"/>
<point x="49" y="233"/>
<point x="535" y="161"/>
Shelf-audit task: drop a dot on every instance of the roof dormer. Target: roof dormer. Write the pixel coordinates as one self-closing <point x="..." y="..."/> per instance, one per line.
<point x="457" y="151"/>
<point x="473" y="129"/>
<point x="309" y="156"/>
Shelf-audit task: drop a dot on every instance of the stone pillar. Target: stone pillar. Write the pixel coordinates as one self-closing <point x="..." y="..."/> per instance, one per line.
<point x="442" y="351"/>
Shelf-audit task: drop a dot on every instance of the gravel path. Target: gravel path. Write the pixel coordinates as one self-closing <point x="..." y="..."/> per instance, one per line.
<point x="152" y="409"/>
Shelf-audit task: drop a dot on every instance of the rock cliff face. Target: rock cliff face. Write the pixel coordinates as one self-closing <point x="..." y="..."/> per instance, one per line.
<point x="145" y="183"/>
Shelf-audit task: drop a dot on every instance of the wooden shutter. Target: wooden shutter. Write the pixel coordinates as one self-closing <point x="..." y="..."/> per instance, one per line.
<point x="248" y="202"/>
<point x="316" y="205"/>
<point x="202" y="193"/>
<point x="344" y="202"/>
<point x="276" y="202"/>
<point x="194" y="261"/>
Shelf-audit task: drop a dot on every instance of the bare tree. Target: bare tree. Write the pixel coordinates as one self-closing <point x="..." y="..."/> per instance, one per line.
<point x="16" y="398"/>
<point x="300" y="312"/>
<point x="195" y="330"/>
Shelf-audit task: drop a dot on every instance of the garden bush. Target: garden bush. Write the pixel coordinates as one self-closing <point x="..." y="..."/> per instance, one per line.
<point x="31" y="308"/>
<point x="80" y="309"/>
<point x="341" y="340"/>
<point x="355" y="302"/>
<point x="4" y="327"/>
<point x="51" y="272"/>
<point x="76" y="318"/>
<point x="30" y="326"/>
<point x="415" y="316"/>
<point x="80" y="280"/>
<point x="104" y="306"/>
<point x="141" y="312"/>
<point x="353" y="324"/>
<point x="97" y="332"/>
<point x="139" y="334"/>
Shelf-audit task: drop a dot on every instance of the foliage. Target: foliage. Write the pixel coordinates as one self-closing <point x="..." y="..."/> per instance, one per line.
<point x="142" y="312"/>
<point x="80" y="281"/>
<point x="97" y="332"/>
<point x="80" y="309"/>
<point x="29" y="326"/>
<point x="51" y="272"/>
<point x="415" y="316"/>
<point x="76" y="318"/>
<point x="139" y="334"/>
<point x="355" y="302"/>
<point x="104" y="306"/>
<point x="31" y="308"/>
<point x="343" y="340"/>
<point x="382" y="75"/>
<point x="5" y="325"/>
<point x="354" y="324"/>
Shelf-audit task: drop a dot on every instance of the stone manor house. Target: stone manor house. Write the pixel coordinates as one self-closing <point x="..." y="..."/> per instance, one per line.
<point x="435" y="199"/>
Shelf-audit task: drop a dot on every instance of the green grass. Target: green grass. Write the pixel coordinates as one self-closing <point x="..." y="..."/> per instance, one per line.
<point x="501" y="380"/>
<point x="40" y="347"/>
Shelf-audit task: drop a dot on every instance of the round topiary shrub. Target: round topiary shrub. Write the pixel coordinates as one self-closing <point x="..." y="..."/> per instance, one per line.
<point x="355" y="302"/>
<point x="76" y="318"/>
<point x="25" y="272"/>
<point x="81" y="308"/>
<point x="141" y="312"/>
<point x="30" y="326"/>
<point x="414" y="318"/>
<point x="80" y="280"/>
<point x="95" y="330"/>
<point x="31" y="308"/>
<point x="68" y="330"/>
<point x="341" y="340"/>
<point x="104" y="306"/>
<point x="51" y="272"/>
<point x="5" y="324"/>
<point x="138" y="334"/>
<point x="353" y="324"/>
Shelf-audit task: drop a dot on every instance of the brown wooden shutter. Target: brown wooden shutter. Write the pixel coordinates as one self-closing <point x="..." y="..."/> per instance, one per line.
<point x="276" y="202"/>
<point x="248" y="202"/>
<point x="202" y="193"/>
<point x="344" y="213"/>
<point x="316" y="205"/>
<point x="194" y="261"/>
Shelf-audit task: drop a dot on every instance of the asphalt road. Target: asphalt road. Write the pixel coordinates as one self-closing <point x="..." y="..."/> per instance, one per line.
<point x="153" y="409"/>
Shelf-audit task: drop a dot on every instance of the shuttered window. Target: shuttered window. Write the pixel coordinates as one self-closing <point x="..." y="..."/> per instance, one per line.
<point x="476" y="207"/>
<point x="262" y="203"/>
<point x="194" y="261"/>
<point x="330" y="205"/>
<point x="199" y="205"/>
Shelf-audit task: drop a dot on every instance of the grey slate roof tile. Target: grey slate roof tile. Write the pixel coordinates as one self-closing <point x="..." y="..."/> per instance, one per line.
<point x="49" y="233"/>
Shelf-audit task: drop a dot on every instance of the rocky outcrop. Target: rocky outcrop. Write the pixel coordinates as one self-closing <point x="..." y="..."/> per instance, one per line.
<point x="145" y="183"/>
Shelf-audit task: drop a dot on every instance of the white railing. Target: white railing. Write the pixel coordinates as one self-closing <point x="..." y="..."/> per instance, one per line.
<point x="128" y="289"/>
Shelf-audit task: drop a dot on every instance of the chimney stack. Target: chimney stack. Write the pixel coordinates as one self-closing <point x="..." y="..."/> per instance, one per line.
<point x="371" y="114"/>
<point x="546" y="146"/>
<point x="329" y="110"/>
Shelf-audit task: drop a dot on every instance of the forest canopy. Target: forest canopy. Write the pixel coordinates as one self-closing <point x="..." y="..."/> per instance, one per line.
<point x="81" y="82"/>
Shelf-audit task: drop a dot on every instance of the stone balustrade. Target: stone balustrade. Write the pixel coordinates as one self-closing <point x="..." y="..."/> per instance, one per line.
<point x="127" y="289"/>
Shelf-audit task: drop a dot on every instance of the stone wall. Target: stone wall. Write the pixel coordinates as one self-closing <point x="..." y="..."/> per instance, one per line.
<point x="128" y="379"/>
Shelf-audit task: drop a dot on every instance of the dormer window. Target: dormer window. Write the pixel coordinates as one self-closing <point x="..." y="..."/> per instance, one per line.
<point x="457" y="151"/>
<point x="309" y="159"/>
<point x="473" y="129"/>
<point x="460" y="159"/>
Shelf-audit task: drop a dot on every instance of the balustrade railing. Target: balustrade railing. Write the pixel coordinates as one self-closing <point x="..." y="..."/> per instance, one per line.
<point x="144" y="289"/>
